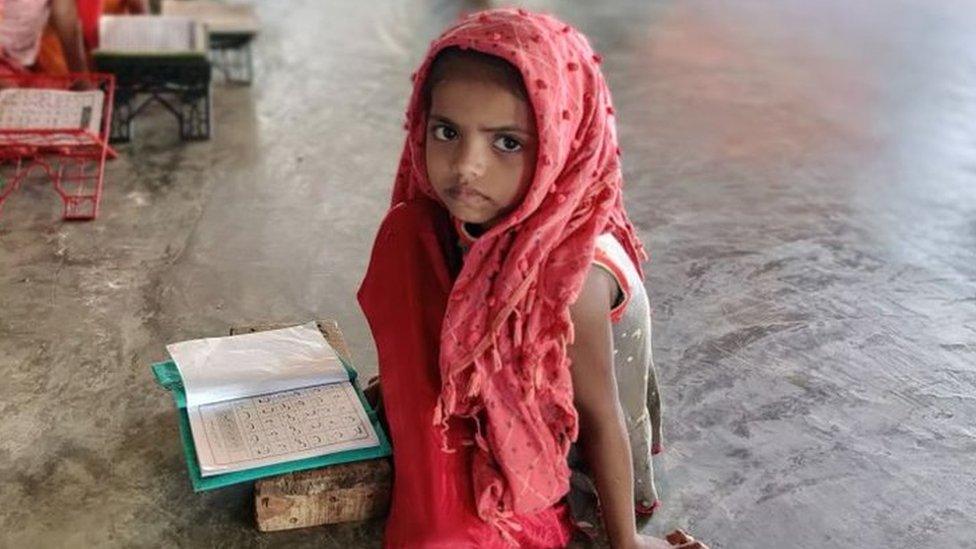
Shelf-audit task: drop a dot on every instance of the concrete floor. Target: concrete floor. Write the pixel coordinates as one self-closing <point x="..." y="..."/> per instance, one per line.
<point x="804" y="174"/>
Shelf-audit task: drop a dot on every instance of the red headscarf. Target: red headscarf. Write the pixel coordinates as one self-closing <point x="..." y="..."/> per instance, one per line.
<point x="503" y="355"/>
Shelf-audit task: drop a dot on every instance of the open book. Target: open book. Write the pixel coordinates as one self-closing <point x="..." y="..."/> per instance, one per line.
<point x="46" y="109"/>
<point x="219" y="18"/>
<point x="33" y="108"/>
<point x="150" y="35"/>
<point x="268" y="397"/>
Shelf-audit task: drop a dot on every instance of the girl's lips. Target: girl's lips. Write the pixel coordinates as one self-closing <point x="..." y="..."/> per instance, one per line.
<point x="465" y="194"/>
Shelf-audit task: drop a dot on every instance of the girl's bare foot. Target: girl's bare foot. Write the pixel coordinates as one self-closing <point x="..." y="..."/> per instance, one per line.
<point x="675" y="540"/>
<point x="679" y="538"/>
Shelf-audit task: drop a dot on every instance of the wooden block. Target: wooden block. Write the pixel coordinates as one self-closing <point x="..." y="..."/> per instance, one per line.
<point x="339" y="493"/>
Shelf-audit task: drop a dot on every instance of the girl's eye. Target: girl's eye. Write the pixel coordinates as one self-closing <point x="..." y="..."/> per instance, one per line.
<point x="444" y="133"/>
<point x="506" y="143"/>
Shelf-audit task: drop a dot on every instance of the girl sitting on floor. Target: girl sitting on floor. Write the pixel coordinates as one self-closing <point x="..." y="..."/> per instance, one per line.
<point x="505" y="295"/>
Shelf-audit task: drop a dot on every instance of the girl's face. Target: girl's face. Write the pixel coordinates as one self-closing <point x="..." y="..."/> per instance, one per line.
<point x="480" y="148"/>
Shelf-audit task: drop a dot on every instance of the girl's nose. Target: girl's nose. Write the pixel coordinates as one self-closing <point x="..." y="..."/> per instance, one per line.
<point x="470" y="163"/>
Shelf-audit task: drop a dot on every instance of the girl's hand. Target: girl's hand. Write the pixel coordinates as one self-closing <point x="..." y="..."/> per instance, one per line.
<point x="372" y="391"/>
<point x="82" y="84"/>
<point x="679" y="538"/>
<point x="675" y="540"/>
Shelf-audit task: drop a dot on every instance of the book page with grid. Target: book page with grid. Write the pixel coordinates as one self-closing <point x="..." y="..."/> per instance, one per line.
<point x="278" y="427"/>
<point x="150" y="34"/>
<point x="31" y="109"/>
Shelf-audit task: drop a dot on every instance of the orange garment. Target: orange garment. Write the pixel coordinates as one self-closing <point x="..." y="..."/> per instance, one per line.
<point x="51" y="58"/>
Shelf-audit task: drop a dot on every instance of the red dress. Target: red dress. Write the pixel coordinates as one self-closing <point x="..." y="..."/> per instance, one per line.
<point x="404" y="296"/>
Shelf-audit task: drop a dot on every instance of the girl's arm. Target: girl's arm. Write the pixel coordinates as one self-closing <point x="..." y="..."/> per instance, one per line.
<point x="603" y="431"/>
<point x="64" y="19"/>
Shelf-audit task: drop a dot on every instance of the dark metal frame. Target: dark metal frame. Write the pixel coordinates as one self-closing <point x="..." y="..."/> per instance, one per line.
<point x="230" y="54"/>
<point x="180" y="84"/>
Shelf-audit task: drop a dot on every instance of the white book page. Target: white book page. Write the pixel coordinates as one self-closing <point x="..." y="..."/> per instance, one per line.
<point x="32" y="108"/>
<point x="225" y="368"/>
<point x="290" y="425"/>
<point x="148" y="34"/>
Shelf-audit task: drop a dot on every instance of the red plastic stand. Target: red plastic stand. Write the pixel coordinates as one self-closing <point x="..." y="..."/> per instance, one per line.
<point x="72" y="159"/>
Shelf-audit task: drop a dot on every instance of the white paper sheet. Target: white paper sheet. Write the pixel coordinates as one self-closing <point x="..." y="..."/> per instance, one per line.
<point x="150" y="34"/>
<point x="226" y="368"/>
<point x="32" y="108"/>
<point x="290" y="425"/>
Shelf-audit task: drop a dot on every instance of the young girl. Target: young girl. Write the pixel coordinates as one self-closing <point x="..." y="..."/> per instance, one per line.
<point x="505" y="296"/>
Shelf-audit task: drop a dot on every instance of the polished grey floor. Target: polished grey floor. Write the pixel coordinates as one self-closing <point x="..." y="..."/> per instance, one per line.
<point x="804" y="174"/>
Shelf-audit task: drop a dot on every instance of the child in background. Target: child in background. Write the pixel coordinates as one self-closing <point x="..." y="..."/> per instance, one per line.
<point x="22" y="26"/>
<point x="52" y="56"/>
<point x="506" y="300"/>
<point x="55" y="36"/>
